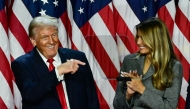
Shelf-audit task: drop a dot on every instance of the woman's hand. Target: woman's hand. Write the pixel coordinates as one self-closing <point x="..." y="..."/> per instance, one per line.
<point x="135" y="84"/>
<point x="129" y="92"/>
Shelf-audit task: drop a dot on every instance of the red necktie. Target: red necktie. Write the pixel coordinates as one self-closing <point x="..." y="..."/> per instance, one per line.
<point x="59" y="88"/>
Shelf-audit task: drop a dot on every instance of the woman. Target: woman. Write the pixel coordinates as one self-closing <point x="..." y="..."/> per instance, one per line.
<point x="155" y="72"/>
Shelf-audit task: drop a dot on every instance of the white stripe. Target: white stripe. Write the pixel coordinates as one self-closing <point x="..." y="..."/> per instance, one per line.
<point x="105" y="38"/>
<point x="181" y="43"/>
<point x="22" y="14"/>
<point x="4" y="43"/>
<point x="126" y="13"/>
<point x="5" y="92"/>
<point x="70" y="16"/>
<point x="15" y="47"/>
<point x="184" y="6"/>
<point x="70" y="11"/>
<point x="17" y="96"/>
<point x="184" y="86"/>
<point x="171" y="8"/>
<point x="62" y="34"/>
<point x="123" y="51"/>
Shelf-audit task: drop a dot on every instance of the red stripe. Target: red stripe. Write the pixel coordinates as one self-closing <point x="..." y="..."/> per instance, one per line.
<point x="124" y="33"/>
<point x="19" y="32"/>
<point x="66" y="22"/>
<point x="3" y="20"/>
<point x="181" y="103"/>
<point x="65" y="19"/>
<point x="2" y="104"/>
<point x="164" y="14"/>
<point x="107" y="16"/>
<point x="5" y="69"/>
<point x="184" y="63"/>
<point x="183" y="23"/>
<point x="99" y="52"/>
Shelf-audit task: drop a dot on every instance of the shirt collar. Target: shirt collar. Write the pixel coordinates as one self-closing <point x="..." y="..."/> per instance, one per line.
<point x="56" y="57"/>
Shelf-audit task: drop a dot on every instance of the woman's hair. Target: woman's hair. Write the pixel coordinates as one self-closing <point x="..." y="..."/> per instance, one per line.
<point x="156" y="36"/>
<point x="40" y="22"/>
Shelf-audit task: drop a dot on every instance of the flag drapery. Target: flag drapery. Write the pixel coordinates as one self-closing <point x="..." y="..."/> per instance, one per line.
<point x="102" y="29"/>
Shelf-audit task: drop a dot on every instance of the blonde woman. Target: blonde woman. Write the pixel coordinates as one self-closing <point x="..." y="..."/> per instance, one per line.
<point x="155" y="72"/>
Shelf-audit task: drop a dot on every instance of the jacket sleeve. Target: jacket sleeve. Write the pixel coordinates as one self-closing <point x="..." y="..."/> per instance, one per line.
<point x="32" y="88"/>
<point x="92" y="97"/>
<point x="119" y="101"/>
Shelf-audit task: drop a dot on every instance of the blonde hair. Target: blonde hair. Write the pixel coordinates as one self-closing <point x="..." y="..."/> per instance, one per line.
<point x="40" y="22"/>
<point x="156" y="36"/>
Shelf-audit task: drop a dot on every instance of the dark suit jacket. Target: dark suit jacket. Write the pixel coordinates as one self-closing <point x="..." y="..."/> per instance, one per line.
<point x="152" y="98"/>
<point x="38" y="86"/>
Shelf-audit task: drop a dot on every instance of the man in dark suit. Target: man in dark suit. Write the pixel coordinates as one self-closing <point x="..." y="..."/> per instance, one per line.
<point x="69" y="69"/>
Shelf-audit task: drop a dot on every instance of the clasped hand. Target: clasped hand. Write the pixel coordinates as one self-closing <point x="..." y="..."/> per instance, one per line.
<point x="135" y="85"/>
<point x="71" y="66"/>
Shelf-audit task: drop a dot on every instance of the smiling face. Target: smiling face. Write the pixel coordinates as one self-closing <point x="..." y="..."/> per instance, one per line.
<point x="46" y="40"/>
<point x="143" y="48"/>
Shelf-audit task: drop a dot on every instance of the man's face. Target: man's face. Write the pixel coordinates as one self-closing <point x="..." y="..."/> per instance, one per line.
<point x="46" y="40"/>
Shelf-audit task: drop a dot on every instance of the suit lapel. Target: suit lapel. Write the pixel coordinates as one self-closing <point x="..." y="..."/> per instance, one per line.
<point x="40" y="67"/>
<point x="150" y="71"/>
<point x="63" y="55"/>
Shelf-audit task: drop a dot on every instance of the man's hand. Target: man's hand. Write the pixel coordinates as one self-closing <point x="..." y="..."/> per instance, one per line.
<point x="71" y="65"/>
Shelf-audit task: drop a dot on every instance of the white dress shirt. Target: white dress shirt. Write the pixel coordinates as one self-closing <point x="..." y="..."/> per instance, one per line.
<point x="56" y="63"/>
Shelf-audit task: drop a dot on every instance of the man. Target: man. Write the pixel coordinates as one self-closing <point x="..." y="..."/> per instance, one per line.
<point x="41" y="81"/>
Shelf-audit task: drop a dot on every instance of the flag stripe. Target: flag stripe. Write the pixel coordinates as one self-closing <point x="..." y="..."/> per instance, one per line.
<point x="125" y="34"/>
<point x="104" y="39"/>
<point x="107" y="16"/>
<point x="5" y="59"/>
<point x="104" y="104"/>
<point x="184" y="6"/>
<point x="6" y="95"/>
<point x="183" y="92"/>
<point x="5" y="69"/>
<point x="17" y="32"/>
<point x="62" y="34"/>
<point x="16" y="49"/>
<point x="105" y="64"/>
<point x="164" y="14"/>
<point x="17" y="96"/>
<point x="184" y="62"/>
<point x="21" y="14"/>
<point x="183" y="23"/>
<point x="181" y="43"/>
<point x="3" y="20"/>
<point x="2" y="104"/>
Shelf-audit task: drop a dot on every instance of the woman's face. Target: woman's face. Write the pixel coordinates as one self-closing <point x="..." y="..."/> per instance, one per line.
<point x="143" y="48"/>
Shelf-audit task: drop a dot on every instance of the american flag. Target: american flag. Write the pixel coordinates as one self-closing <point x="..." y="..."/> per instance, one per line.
<point x="103" y="29"/>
